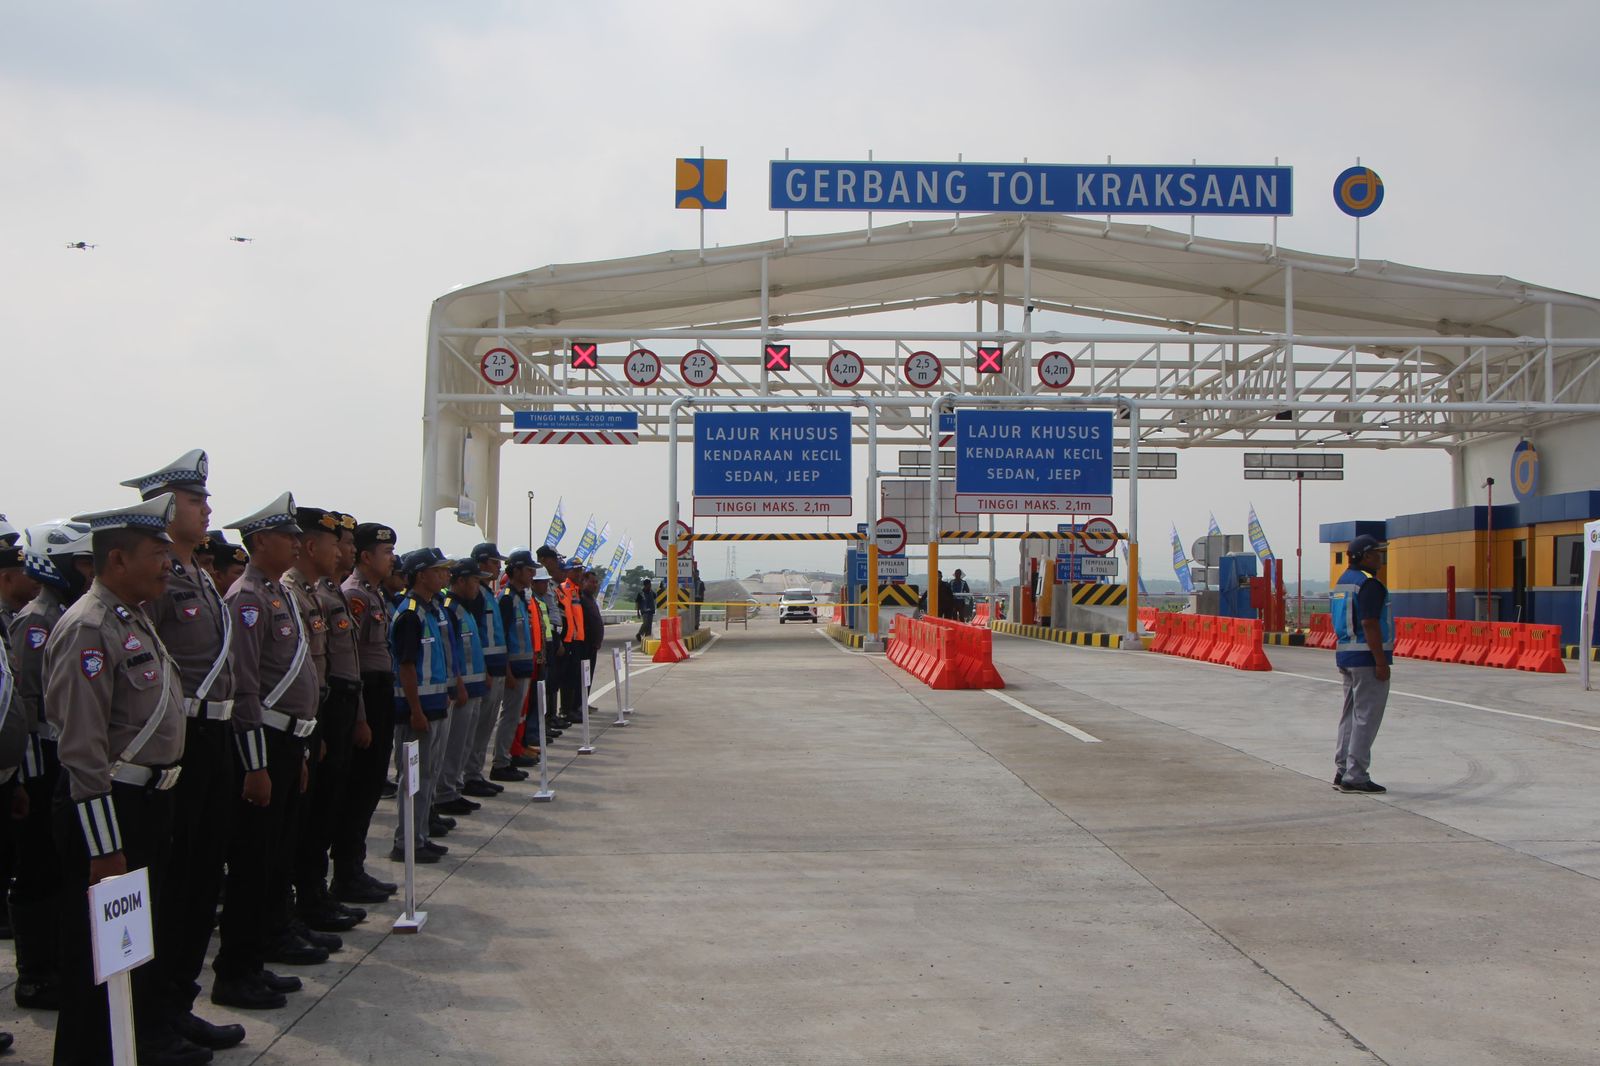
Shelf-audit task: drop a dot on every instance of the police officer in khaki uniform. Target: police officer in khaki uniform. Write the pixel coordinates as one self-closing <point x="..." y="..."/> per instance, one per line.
<point x="196" y="628"/>
<point x="329" y="617"/>
<point x="274" y="717"/>
<point x="374" y="562"/>
<point x="16" y="589"/>
<point x="222" y="560"/>
<point x="115" y="697"/>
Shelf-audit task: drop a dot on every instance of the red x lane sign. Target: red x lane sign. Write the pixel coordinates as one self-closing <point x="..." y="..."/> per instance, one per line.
<point x="989" y="358"/>
<point x="777" y="357"/>
<point x="585" y="355"/>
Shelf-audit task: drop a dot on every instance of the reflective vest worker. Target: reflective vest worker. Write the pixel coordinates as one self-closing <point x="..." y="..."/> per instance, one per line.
<point x="1365" y="631"/>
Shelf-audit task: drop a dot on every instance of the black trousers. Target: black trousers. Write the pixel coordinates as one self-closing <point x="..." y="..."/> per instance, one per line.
<point x="83" y="1028"/>
<point x="37" y="883"/>
<point x="329" y="779"/>
<point x="570" y="681"/>
<point x="203" y="803"/>
<point x="368" y="769"/>
<point x="647" y="621"/>
<point x="259" y="858"/>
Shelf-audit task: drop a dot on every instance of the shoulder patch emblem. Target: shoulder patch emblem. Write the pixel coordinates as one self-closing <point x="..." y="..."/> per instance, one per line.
<point x="250" y="615"/>
<point x="93" y="661"/>
<point x="284" y="631"/>
<point x="151" y="675"/>
<point x="358" y="605"/>
<point x="343" y="623"/>
<point x="277" y="603"/>
<point x="194" y="612"/>
<point x="123" y="613"/>
<point x="133" y="643"/>
<point x="318" y="625"/>
<point x="37" y="635"/>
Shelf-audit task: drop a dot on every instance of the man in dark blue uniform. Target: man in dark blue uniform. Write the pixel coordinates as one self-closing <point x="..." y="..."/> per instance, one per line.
<point x="1365" y="631"/>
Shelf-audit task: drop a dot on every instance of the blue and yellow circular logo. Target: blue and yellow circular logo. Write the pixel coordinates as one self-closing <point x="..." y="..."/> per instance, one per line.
<point x="1358" y="191"/>
<point x="1525" y="472"/>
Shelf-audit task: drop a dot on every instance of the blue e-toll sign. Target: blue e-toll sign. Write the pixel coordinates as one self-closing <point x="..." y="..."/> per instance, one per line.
<point x="1033" y="462"/>
<point x="782" y="463"/>
<point x="577" y="421"/>
<point x="1092" y="189"/>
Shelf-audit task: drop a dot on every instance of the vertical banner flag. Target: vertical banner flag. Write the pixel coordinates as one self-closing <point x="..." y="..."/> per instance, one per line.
<point x="1180" y="563"/>
<point x="1258" y="537"/>
<point x="600" y="541"/>
<point x="613" y="566"/>
<point x="558" y="528"/>
<point x="587" y="543"/>
<point x="1144" y="593"/>
<point x="1214" y="529"/>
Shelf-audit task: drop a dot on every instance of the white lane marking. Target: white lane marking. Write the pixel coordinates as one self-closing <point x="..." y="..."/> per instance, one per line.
<point x="596" y="693"/>
<point x="1045" y="718"/>
<point x="1455" y="703"/>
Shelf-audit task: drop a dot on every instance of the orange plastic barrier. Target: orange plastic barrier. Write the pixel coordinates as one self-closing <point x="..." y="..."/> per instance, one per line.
<point x="671" y="649"/>
<point x="1475" y="648"/>
<point x="1505" y="640"/>
<point x="1321" y="634"/>
<point x="944" y="654"/>
<point x="980" y="617"/>
<point x="1542" y="654"/>
<point x="1452" y="640"/>
<point x="1234" y="642"/>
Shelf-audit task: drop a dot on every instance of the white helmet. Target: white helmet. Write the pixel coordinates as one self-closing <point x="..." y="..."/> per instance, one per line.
<point x="8" y="532"/>
<point x="50" y="541"/>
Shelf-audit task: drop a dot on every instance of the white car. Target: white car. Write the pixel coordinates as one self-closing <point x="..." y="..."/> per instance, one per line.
<point x="797" y="605"/>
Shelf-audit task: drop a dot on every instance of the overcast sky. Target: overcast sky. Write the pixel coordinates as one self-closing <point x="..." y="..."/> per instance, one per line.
<point x="382" y="153"/>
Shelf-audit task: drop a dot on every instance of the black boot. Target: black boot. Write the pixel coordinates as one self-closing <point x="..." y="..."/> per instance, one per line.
<point x="34" y="932"/>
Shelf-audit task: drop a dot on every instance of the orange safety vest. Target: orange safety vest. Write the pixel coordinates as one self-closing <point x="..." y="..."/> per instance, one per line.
<point x="536" y="623"/>
<point x="572" y="607"/>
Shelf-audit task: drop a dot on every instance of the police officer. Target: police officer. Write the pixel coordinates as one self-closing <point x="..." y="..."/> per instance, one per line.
<point x="16" y="589"/>
<point x="520" y="664"/>
<point x="195" y="627"/>
<point x="59" y="559"/>
<point x="373" y="736"/>
<point x="115" y="698"/>
<point x="492" y="628"/>
<point x="465" y="578"/>
<point x="419" y="643"/>
<point x="223" y="561"/>
<point x="274" y="715"/>
<point x="328" y="620"/>
<point x="1359" y="603"/>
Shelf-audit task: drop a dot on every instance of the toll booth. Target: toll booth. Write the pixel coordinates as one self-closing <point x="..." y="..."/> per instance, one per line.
<point x="1235" y="571"/>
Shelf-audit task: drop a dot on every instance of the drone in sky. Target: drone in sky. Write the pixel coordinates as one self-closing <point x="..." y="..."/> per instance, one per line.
<point x="81" y="246"/>
<point x="241" y="240"/>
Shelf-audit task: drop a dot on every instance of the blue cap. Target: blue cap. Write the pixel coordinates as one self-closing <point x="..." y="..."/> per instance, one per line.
<point x="1364" y="543"/>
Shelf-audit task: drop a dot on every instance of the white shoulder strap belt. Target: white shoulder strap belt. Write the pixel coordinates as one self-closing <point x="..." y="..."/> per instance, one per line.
<point x="271" y="699"/>
<point x="227" y="639"/>
<point x="135" y="746"/>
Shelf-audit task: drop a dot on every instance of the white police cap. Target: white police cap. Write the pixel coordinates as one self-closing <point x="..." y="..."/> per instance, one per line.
<point x="187" y="472"/>
<point x="150" y="516"/>
<point x="279" y="514"/>
<point x="8" y="532"/>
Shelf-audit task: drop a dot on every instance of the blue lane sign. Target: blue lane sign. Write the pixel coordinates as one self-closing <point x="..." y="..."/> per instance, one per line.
<point x="781" y="463"/>
<point x="577" y="421"/>
<point x="1033" y="462"/>
<point x="813" y="185"/>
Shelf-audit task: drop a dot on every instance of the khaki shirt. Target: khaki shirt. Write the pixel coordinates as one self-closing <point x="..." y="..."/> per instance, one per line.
<point x="316" y="623"/>
<point x="14" y="725"/>
<point x="107" y="674"/>
<point x="266" y="630"/>
<point x="189" y="619"/>
<point x="30" y="632"/>
<point x="343" y="659"/>
<point x="370" y="611"/>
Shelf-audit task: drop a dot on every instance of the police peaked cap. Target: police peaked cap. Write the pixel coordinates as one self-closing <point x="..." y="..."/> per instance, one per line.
<point x="371" y="534"/>
<point x="222" y="552"/>
<point x="150" y="516"/>
<point x="279" y="514"/>
<point x="187" y="472"/>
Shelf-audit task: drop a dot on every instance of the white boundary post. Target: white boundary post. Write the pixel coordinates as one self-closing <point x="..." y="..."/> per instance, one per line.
<point x="616" y="686"/>
<point x="586" y="748"/>
<point x="412" y="920"/>
<point x="545" y="794"/>
<point x="627" y="680"/>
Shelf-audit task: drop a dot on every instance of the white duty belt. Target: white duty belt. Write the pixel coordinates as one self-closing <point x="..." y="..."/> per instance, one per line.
<point x="283" y="723"/>
<point x="146" y="776"/>
<point x="212" y="710"/>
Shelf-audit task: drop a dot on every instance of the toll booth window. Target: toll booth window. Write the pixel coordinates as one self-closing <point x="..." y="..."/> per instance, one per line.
<point x="1569" y="561"/>
<point x="1338" y="558"/>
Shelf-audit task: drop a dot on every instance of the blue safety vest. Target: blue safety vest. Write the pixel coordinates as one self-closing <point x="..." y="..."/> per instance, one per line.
<point x="433" y="663"/>
<point x="519" y="638"/>
<point x="1351" y="649"/>
<point x="491" y="627"/>
<point x="473" y="674"/>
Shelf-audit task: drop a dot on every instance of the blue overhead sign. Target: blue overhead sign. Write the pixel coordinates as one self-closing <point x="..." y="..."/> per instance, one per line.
<point x="782" y="463"/>
<point x="1033" y="462"/>
<point x="1091" y="189"/>
<point x="577" y="421"/>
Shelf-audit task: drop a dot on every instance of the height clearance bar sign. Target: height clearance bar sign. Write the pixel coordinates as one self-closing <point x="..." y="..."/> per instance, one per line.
<point x="1033" y="462"/>
<point x="777" y="463"/>
<point x="1089" y="189"/>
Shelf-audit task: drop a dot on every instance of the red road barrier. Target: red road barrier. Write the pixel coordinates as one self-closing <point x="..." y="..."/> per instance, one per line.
<point x="1321" y="635"/>
<point x="944" y="654"/>
<point x="1475" y="647"/>
<point x="1543" y="651"/>
<point x="1504" y="645"/>
<point x="1234" y="642"/>
<point x="671" y="649"/>
<point x="980" y="617"/>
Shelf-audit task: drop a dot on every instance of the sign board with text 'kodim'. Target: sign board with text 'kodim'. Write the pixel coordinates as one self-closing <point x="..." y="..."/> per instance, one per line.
<point x="784" y="464"/>
<point x="1033" y="462"/>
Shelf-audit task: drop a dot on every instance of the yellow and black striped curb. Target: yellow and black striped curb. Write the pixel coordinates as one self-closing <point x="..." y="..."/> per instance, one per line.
<point x="698" y="639"/>
<point x="697" y="537"/>
<point x="1284" y="640"/>
<point x="847" y="637"/>
<point x="1573" y="651"/>
<point x="1059" y="636"/>
<point x="1090" y="594"/>
<point x="898" y="596"/>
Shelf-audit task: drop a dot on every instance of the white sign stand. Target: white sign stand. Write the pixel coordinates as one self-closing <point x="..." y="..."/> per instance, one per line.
<point x="627" y="680"/>
<point x="616" y="686"/>
<point x="120" y="934"/>
<point x="412" y="920"/>
<point x="546" y="794"/>
<point x="586" y="748"/>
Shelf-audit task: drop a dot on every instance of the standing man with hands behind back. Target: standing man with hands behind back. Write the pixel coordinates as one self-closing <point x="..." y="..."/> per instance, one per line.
<point x="1365" y="631"/>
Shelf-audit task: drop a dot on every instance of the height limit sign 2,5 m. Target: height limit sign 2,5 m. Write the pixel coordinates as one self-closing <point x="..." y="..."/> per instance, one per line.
<point x="1033" y="462"/>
